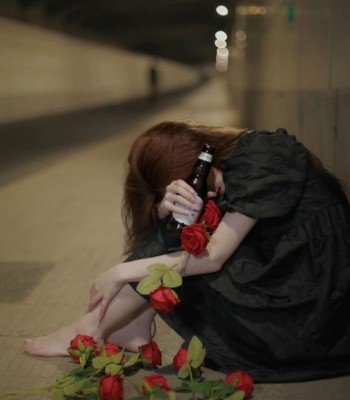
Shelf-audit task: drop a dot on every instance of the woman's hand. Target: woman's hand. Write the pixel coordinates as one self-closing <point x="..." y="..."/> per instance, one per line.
<point x="183" y="194"/>
<point x="104" y="288"/>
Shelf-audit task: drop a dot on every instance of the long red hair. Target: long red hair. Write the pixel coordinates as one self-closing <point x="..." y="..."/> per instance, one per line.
<point x="163" y="153"/>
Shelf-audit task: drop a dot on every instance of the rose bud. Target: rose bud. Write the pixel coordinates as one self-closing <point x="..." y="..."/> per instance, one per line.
<point x="111" y="387"/>
<point x="87" y="342"/>
<point x="180" y="359"/>
<point x="153" y="381"/>
<point x="194" y="238"/>
<point x="244" y="381"/>
<point x="151" y="355"/>
<point x="211" y="215"/>
<point x="164" y="299"/>
<point x="111" y="349"/>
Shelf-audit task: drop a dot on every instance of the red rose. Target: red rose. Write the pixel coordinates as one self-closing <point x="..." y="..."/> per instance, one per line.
<point x="194" y="238"/>
<point x="151" y="355"/>
<point x="111" y="387"/>
<point x="153" y="381"/>
<point x="164" y="299"/>
<point x="87" y="341"/>
<point x="211" y="215"/>
<point x="180" y="359"/>
<point x="244" y="381"/>
<point x="111" y="349"/>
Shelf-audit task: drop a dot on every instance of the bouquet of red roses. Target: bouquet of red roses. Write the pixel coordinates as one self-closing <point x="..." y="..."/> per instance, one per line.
<point x="163" y="279"/>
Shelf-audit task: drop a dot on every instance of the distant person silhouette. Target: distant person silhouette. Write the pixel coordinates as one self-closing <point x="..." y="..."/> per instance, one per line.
<point x="154" y="82"/>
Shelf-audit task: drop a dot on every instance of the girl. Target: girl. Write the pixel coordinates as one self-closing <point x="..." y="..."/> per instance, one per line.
<point x="271" y="294"/>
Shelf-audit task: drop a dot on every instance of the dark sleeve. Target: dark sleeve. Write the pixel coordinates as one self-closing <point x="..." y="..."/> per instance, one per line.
<point x="265" y="176"/>
<point x="156" y="244"/>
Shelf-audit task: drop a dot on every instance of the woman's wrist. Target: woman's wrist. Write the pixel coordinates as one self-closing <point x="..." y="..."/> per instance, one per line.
<point x="119" y="274"/>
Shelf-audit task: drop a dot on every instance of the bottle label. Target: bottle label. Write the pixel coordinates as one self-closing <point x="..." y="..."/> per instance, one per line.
<point x="192" y="217"/>
<point x="205" y="157"/>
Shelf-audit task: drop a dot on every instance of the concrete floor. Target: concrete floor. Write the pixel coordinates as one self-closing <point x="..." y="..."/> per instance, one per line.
<point x="60" y="228"/>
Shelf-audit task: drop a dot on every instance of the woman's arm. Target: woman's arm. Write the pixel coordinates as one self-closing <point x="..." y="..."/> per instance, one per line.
<point x="232" y="229"/>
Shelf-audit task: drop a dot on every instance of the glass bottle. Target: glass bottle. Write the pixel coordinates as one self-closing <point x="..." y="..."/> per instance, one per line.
<point x="198" y="181"/>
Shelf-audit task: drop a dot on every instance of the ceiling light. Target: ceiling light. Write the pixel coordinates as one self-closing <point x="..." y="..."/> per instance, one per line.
<point x="222" y="10"/>
<point x="221" y="35"/>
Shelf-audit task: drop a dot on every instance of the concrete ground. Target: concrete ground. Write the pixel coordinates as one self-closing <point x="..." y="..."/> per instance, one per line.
<point x="60" y="228"/>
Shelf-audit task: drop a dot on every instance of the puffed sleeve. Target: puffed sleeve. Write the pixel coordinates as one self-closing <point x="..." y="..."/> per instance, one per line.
<point x="265" y="175"/>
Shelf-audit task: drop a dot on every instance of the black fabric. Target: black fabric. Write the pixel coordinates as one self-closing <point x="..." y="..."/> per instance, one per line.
<point x="279" y="307"/>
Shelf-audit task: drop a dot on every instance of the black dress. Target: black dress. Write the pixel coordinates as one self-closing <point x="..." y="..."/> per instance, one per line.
<point x="280" y="306"/>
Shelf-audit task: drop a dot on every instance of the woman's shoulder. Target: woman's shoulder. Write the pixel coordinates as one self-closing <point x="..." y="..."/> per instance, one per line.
<point x="279" y="133"/>
<point x="266" y="174"/>
<point x="262" y="146"/>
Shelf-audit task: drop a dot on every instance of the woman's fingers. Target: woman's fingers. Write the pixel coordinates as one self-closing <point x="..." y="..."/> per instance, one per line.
<point x="184" y="189"/>
<point x="211" y="194"/>
<point x="174" y="208"/>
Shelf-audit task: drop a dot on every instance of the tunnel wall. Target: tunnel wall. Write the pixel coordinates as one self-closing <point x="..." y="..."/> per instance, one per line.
<point x="45" y="72"/>
<point x="295" y="74"/>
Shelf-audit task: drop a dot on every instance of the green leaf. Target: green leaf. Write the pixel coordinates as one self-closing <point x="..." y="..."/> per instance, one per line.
<point x="184" y="371"/>
<point x="81" y="346"/>
<point x="158" y="267"/>
<point x="117" y="358"/>
<point x="132" y="360"/>
<point x="198" y="358"/>
<point x="66" y="380"/>
<point x="113" y="369"/>
<point x="148" y="285"/>
<point x="83" y="359"/>
<point x="184" y="387"/>
<point x="239" y="395"/>
<point x="75" y="353"/>
<point x="58" y="394"/>
<point x="73" y="388"/>
<point x="207" y="388"/>
<point x="82" y="372"/>
<point x="195" y="347"/>
<point x="171" y="395"/>
<point x="172" y="279"/>
<point x="100" y="362"/>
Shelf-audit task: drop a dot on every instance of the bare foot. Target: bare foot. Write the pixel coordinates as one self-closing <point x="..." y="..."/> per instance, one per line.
<point x="57" y="343"/>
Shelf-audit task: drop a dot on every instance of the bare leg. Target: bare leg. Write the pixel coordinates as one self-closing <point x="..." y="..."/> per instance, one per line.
<point x="123" y="309"/>
<point x="136" y="333"/>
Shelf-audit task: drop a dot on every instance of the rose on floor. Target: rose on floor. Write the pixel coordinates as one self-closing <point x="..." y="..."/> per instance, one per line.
<point x="180" y="358"/>
<point x="149" y="383"/>
<point x="111" y="349"/>
<point x="111" y="387"/>
<point x="103" y="377"/>
<point x="243" y="381"/>
<point x="151" y="356"/>
<point x="81" y="346"/>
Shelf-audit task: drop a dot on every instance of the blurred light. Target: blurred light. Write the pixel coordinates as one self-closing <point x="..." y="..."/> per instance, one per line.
<point x="221" y="58"/>
<point x="221" y="35"/>
<point x="241" y="35"/>
<point x="251" y="10"/>
<point x="222" y="62"/>
<point x="222" y="10"/>
<point x="223" y="53"/>
<point x="242" y="44"/>
<point x="221" y="68"/>
<point x="220" y="44"/>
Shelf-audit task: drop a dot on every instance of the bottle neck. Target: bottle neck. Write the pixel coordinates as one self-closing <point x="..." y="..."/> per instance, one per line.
<point x="201" y="167"/>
